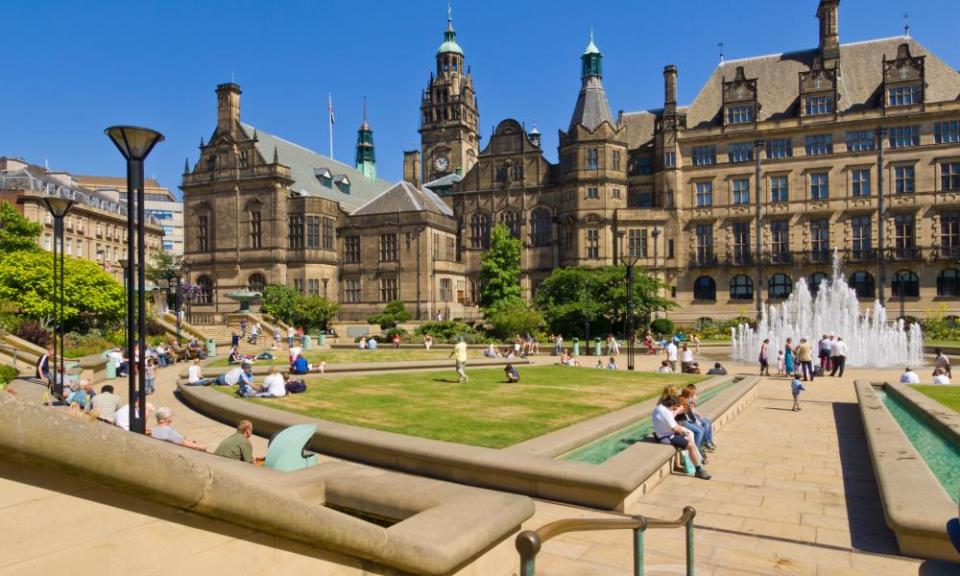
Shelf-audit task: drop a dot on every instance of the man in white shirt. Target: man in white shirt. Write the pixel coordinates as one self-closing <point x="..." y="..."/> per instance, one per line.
<point x="667" y="431"/>
<point x="295" y="351"/>
<point x="290" y="334"/>
<point x="838" y="356"/>
<point x="274" y="386"/>
<point x="672" y="356"/>
<point x="909" y="377"/>
<point x="940" y="377"/>
<point x="121" y="417"/>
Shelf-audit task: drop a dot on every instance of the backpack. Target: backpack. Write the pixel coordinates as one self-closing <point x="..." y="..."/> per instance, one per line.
<point x="296" y="386"/>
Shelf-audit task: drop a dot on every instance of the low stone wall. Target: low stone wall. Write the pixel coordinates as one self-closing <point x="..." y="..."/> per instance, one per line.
<point x="352" y="367"/>
<point x="915" y="504"/>
<point x="440" y="528"/>
<point x="610" y="485"/>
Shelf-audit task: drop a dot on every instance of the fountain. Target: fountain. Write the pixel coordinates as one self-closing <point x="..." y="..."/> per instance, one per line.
<point x="244" y="297"/>
<point x="871" y="340"/>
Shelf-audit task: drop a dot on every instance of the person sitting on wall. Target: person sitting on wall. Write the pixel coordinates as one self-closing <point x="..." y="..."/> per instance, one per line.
<point x="491" y="352"/>
<point x="666" y="430"/>
<point x="909" y="377"/>
<point x="301" y="366"/>
<point x="940" y="376"/>
<point x="510" y="371"/>
<point x="163" y="431"/>
<point x="234" y="356"/>
<point x="717" y="370"/>
<point x="362" y="343"/>
<point x="612" y="363"/>
<point x="237" y="446"/>
<point x="372" y="343"/>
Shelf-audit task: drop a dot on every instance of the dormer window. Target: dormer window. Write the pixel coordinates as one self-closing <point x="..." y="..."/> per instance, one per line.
<point x="903" y="79"/>
<point x="740" y="114"/>
<point x="904" y="95"/>
<point x="324" y="176"/>
<point x="816" y="105"/>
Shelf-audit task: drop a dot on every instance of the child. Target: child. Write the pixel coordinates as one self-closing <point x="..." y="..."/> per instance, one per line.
<point x="796" y="387"/>
<point x="150" y="374"/>
<point x="780" y="367"/>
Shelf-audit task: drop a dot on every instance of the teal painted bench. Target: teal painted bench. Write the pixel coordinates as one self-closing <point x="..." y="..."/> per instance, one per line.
<point x="285" y="451"/>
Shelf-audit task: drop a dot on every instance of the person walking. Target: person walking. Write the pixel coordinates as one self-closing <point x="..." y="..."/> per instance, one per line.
<point x="243" y="328"/>
<point x="942" y="362"/>
<point x="795" y="388"/>
<point x="788" y="357"/>
<point x="460" y="352"/>
<point x="672" y="355"/>
<point x="765" y="358"/>
<point x="254" y="333"/>
<point x="805" y="357"/>
<point x="838" y="356"/>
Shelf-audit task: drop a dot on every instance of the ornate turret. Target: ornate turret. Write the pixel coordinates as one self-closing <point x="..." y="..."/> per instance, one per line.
<point x="592" y="108"/>
<point x="366" y="160"/>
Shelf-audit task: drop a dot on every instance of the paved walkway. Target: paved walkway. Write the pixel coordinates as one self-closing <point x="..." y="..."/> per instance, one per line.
<point x="792" y="493"/>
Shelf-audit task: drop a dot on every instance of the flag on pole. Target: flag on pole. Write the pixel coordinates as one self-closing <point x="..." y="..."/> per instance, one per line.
<point x="330" y="121"/>
<point x="330" y="108"/>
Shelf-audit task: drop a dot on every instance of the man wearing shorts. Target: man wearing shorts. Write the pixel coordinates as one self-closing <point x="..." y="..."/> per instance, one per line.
<point x="667" y="431"/>
<point x="460" y="352"/>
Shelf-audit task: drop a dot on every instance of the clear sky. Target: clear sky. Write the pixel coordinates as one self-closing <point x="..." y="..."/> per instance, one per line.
<point x="73" y="68"/>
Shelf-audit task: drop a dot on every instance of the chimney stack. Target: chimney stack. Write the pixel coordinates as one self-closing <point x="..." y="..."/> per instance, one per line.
<point x="829" y="31"/>
<point x="411" y="167"/>
<point x="228" y="107"/>
<point x="670" y="87"/>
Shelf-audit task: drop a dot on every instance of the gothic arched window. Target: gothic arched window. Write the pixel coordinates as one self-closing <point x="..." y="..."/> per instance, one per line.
<point x="540" y="233"/>
<point x="511" y="219"/>
<point x="256" y="282"/>
<point x="704" y="288"/>
<point x="480" y="230"/>
<point x="204" y="290"/>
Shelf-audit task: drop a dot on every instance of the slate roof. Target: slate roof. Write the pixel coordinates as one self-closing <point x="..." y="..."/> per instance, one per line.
<point x="861" y="66"/>
<point x="404" y="197"/>
<point x="306" y="167"/>
<point x="592" y="108"/>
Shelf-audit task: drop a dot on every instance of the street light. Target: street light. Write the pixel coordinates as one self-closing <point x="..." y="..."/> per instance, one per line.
<point x="881" y="133"/>
<point x="135" y="144"/>
<point x="58" y="208"/>
<point x="629" y="259"/>
<point x="656" y="235"/>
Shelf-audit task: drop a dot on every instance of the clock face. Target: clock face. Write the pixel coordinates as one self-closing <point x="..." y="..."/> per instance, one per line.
<point x="441" y="164"/>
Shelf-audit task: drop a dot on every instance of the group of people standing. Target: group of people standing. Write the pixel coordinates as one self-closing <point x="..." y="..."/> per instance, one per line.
<point x="797" y="360"/>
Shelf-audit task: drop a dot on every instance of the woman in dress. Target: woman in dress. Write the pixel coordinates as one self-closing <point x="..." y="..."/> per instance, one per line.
<point x="788" y="356"/>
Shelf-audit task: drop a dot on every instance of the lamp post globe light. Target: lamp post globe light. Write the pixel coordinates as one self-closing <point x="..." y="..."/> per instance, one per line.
<point x="135" y="144"/>
<point x="58" y="208"/>
<point x="629" y="258"/>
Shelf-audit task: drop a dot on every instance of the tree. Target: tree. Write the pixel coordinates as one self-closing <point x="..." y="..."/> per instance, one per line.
<point x="571" y="295"/>
<point x="514" y="316"/>
<point x="16" y="232"/>
<point x="393" y="313"/>
<point x="314" y="312"/>
<point x="500" y="268"/>
<point x="279" y="301"/>
<point x="91" y="296"/>
<point x="163" y="267"/>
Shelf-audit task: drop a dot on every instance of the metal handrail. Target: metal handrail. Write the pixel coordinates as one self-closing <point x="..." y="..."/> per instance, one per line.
<point x="529" y="542"/>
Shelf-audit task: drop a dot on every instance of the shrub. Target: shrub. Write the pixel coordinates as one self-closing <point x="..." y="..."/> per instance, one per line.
<point x="663" y="326"/>
<point x="154" y="328"/>
<point x="7" y="374"/>
<point x="33" y="331"/>
<point x="79" y="345"/>
<point x="450" y="330"/>
<point x="514" y="317"/>
<point x="393" y="313"/>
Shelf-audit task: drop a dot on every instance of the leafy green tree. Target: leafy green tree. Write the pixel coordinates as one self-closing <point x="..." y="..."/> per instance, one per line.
<point x="279" y="301"/>
<point x="393" y="313"/>
<point x="500" y="268"/>
<point x="16" y="232"/>
<point x="164" y="265"/>
<point x="314" y="312"/>
<point x="513" y="317"/>
<point x="91" y="296"/>
<point x="570" y="295"/>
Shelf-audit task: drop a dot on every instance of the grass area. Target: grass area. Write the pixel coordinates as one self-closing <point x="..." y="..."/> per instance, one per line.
<point x="942" y="343"/>
<point x="949" y="396"/>
<point x="344" y="356"/>
<point x="485" y="412"/>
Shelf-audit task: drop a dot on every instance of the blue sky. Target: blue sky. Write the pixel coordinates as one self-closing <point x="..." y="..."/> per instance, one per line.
<point x="73" y="68"/>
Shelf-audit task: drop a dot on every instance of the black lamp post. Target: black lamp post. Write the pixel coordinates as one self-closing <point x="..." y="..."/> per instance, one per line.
<point x="656" y="236"/>
<point x="58" y="208"/>
<point x="135" y="144"/>
<point x="881" y="133"/>
<point x="629" y="259"/>
<point x="419" y="233"/>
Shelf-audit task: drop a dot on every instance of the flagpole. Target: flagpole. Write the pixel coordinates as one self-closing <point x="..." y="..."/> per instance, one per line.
<point x="330" y="120"/>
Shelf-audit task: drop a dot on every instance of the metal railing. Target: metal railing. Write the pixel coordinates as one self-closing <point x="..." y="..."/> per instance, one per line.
<point x="529" y="542"/>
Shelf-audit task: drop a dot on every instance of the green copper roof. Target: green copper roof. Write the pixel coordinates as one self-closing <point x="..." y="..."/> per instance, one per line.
<point x="591" y="47"/>
<point x="450" y="37"/>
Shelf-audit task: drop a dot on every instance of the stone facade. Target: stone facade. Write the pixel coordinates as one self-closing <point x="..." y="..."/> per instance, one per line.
<point x="94" y="229"/>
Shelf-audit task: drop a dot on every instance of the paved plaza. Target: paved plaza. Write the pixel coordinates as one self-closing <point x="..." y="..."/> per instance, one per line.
<point x="792" y="493"/>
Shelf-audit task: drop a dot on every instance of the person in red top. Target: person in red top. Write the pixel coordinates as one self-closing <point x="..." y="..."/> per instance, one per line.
<point x="396" y="340"/>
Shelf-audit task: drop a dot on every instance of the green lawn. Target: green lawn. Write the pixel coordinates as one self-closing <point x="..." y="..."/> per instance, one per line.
<point x="343" y="356"/>
<point x="485" y="412"/>
<point x="942" y="343"/>
<point x="949" y="396"/>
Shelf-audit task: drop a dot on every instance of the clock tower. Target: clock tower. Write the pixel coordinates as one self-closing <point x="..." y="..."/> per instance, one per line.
<point x="448" y="113"/>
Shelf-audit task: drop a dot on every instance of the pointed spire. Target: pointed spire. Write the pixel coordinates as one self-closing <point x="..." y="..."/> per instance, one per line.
<point x="255" y="138"/>
<point x="201" y="142"/>
<point x="450" y="36"/>
<point x="449" y="18"/>
<point x="276" y="155"/>
<point x="366" y="161"/>
<point x="186" y="165"/>
<point x="365" y="125"/>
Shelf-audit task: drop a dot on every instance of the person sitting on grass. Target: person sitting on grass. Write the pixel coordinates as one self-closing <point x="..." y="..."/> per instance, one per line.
<point x="940" y="376"/>
<point x="301" y="366"/>
<point x="665" y="367"/>
<point x="795" y="388"/>
<point x="362" y="343"/>
<point x="242" y="376"/>
<point x="717" y="370"/>
<point x="568" y="360"/>
<point x="599" y="363"/>
<point x="237" y="446"/>
<point x="163" y="431"/>
<point x="274" y="385"/>
<point x="666" y="430"/>
<point x="909" y="377"/>
<point x="612" y="363"/>
<point x="513" y="376"/>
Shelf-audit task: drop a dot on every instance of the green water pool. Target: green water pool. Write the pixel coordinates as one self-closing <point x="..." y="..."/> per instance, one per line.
<point x="602" y="449"/>
<point x="941" y="454"/>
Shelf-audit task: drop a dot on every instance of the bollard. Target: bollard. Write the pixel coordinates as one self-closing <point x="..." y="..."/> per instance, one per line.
<point x="638" y="552"/>
<point x="307" y="342"/>
<point x="322" y="340"/>
<point x="211" y="348"/>
<point x="597" y="348"/>
<point x="576" y="346"/>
